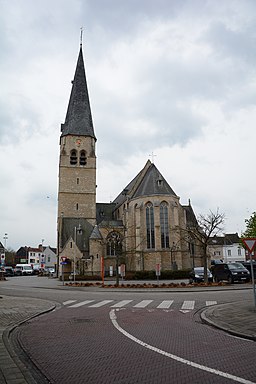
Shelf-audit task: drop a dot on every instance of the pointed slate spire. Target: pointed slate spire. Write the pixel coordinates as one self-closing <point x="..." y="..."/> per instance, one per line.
<point x="79" y="118"/>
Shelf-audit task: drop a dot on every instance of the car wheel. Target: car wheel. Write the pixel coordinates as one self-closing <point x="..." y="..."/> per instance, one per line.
<point x="230" y="280"/>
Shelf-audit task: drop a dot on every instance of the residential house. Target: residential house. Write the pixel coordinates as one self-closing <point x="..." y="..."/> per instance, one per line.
<point x="226" y="248"/>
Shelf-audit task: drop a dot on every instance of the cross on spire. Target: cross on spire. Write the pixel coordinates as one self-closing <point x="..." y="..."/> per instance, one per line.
<point x="81" y="36"/>
<point x="152" y="155"/>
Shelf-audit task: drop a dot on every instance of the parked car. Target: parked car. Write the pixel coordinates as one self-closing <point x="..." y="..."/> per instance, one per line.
<point x="23" y="269"/>
<point x="8" y="271"/>
<point x="230" y="272"/>
<point x="216" y="261"/>
<point x="247" y="265"/>
<point x="50" y="270"/>
<point x="197" y="275"/>
<point x="36" y="268"/>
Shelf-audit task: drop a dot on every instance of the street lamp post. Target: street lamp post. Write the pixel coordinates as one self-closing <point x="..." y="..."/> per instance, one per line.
<point x="42" y="255"/>
<point x="5" y="241"/>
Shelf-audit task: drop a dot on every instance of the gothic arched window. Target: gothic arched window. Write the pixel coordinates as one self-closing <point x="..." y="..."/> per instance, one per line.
<point x="164" y="224"/>
<point x="150" y="226"/>
<point x="114" y="244"/>
<point x="83" y="159"/>
<point x="73" y="157"/>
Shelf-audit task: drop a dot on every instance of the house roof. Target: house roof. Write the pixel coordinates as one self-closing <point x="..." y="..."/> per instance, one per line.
<point x="79" y="118"/>
<point x="228" y="239"/>
<point x="148" y="182"/>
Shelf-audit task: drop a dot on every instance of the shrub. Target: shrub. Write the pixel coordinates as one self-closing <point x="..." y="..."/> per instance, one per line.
<point x="151" y="275"/>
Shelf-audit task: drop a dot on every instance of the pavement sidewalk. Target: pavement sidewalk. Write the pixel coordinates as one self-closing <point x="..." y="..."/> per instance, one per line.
<point x="15" y="311"/>
<point x="236" y="318"/>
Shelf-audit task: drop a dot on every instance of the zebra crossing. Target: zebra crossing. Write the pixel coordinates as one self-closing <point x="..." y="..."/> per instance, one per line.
<point x="185" y="306"/>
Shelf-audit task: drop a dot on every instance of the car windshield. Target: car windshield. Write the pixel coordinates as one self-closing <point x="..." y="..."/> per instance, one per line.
<point x="27" y="267"/>
<point x="200" y="270"/>
<point x="235" y="266"/>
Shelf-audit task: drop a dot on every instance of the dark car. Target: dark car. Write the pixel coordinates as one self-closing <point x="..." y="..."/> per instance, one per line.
<point x="8" y="271"/>
<point x="230" y="272"/>
<point x="197" y="275"/>
<point x="247" y="265"/>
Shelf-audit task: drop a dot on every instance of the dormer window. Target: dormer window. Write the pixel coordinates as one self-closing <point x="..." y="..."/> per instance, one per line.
<point x="73" y="157"/>
<point x="159" y="182"/>
<point x="83" y="159"/>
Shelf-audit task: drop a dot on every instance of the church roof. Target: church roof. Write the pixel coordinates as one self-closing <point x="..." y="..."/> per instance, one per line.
<point x="96" y="233"/>
<point x="69" y="224"/>
<point x="148" y="182"/>
<point x="79" y="118"/>
<point x="190" y="215"/>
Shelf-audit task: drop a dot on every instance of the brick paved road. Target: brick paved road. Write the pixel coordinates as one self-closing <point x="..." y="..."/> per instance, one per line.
<point x="84" y="346"/>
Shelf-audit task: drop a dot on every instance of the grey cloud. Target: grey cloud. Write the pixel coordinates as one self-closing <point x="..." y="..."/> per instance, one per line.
<point x="18" y="118"/>
<point x="237" y="45"/>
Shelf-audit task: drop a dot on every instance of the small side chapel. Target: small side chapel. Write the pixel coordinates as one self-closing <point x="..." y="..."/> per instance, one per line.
<point x="143" y="227"/>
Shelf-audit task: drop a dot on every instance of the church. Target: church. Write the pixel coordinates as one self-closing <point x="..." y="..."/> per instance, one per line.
<point x="142" y="229"/>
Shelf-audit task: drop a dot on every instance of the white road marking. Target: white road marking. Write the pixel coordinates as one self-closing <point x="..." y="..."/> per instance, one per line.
<point x="165" y="304"/>
<point x="226" y="375"/>
<point x="142" y="304"/>
<point x="69" y="302"/>
<point x="100" y="304"/>
<point x="80" y="304"/>
<point x="188" y="305"/>
<point x="210" y="302"/>
<point x="121" y="304"/>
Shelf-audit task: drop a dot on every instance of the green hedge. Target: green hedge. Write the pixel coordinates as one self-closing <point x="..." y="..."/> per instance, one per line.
<point x="137" y="275"/>
<point x="81" y="277"/>
<point x="151" y="275"/>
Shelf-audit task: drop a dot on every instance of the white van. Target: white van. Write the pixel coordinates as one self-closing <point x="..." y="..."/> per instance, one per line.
<point x="23" y="269"/>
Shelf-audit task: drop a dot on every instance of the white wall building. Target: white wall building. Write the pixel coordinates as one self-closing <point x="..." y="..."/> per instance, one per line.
<point x="226" y="248"/>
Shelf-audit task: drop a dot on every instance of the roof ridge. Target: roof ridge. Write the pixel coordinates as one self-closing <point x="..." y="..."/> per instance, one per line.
<point x="140" y="177"/>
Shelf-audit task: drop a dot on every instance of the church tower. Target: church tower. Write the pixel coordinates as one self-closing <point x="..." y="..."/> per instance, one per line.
<point x="77" y="166"/>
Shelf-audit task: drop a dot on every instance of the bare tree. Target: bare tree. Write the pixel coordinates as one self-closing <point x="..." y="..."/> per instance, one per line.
<point x="207" y="226"/>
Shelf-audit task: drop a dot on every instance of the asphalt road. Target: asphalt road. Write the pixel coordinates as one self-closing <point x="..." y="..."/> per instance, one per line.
<point x="103" y="336"/>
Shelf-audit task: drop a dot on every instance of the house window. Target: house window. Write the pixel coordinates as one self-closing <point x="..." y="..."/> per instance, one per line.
<point x="73" y="157"/>
<point x="239" y="252"/>
<point x="216" y="253"/>
<point x="77" y="206"/>
<point x="150" y="226"/>
<point x="77" y="180"/>
<point x="164" y="225"/>
<point x="229" y="252"/>
<point x="83" y="159"/>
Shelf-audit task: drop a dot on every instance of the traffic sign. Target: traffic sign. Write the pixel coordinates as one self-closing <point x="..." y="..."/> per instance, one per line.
<point x="250" y="243"/>
<point x="158" y="269"/>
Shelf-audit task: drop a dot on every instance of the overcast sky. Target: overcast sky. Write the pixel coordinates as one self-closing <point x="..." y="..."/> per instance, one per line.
<point x="172" y="77"/>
